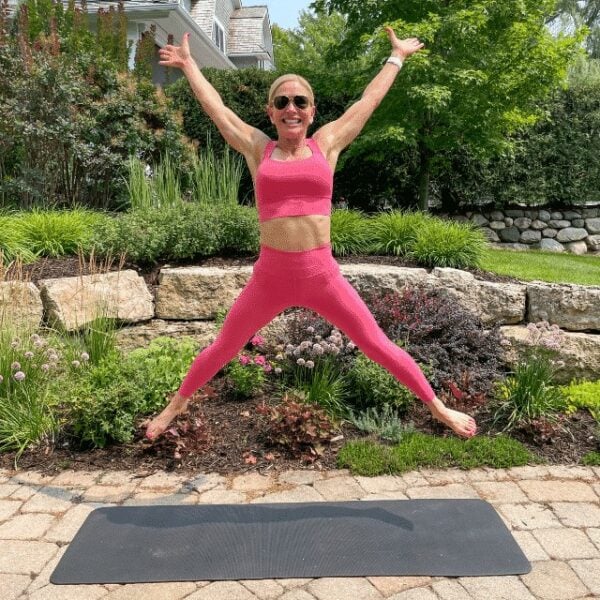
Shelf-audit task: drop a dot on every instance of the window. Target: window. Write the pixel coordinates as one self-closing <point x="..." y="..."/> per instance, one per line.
<point x="219" y="36"/>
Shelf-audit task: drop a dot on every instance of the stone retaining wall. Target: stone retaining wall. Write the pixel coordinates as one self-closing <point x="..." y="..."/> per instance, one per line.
<point x="576" y="231"/>
<point x="187" y="299"/>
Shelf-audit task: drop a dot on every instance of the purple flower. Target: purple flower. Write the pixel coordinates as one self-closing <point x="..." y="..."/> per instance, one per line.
<point x="45" y="367"/>
<point x="28" y="354"/>
<point x="15" y="366"/>
<point x="19" y="375"/>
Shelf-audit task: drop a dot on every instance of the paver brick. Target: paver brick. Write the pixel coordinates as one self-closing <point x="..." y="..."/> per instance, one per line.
<point x="24" y="492"/>
<point x="388" y="586"/>
<point x="163" y="481"/>
<point x="437" y="477"/>
<point x="251" y="482"/>
<point x="31" y="478"/>
<point x="51" y="500"/>
<point x="572" y="472"/>
<point x="77" y="479"/>
<point x="222" y="497"/>
<point x="65" y="528"/>
<point x="577" y="514"/>
<point x="414" y="479"/>
<point x="499" y="491"/>
<point x="292" y="582"/>
<point x="527" y="472"/>
<point x="566" y="543"/>
<point x="554" y="580"/>
<point x="452" y="491"/>
<point x="223" y="590"/>
<point x="303" y="493"/>
<point x="342" y="588"/>
<point x="299" y="477"/>
<point x="589" y="572"/>
<point x="530" y="546"/>
<point x="152" y="591"/>
<point x="297" y="595"/>
<point x="118" y="478"/>
<point x="156" y="498"/>
<point x="558" y="491"/>
<point x="416" y="594"/>
<point x="265" y="589"/>
<point x="385" y="496"/>
<point x="8" y="508"/>
<point x="203" y="483"/>
<point x="109" y="493"/>
<point x="25" y="557"/>
<point x="339" y="488"/>
<point x="488" y="474"/>
<point x="449" y="589"/>
<point x="381" y="484"/>
<point x="496" y="588"/>
<point x="13" y="586"/>
<point x="529" y="516"/>
<point x="6" y="489"/>
<point x="26" y="527"/>
<point x="594" y="535"/>
<point x="68" y="592"/>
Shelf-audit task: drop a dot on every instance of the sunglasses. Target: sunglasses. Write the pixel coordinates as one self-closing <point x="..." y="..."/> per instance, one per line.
<point x="301" y="102"/>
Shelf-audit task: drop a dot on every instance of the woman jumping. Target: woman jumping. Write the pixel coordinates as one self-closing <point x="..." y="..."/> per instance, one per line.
<point x="293" y="182"/>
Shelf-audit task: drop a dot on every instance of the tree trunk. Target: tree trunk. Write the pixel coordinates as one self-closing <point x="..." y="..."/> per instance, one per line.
<point x="423" y="181"/>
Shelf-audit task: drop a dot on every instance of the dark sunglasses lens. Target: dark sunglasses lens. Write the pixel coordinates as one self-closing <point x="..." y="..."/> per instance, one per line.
<point x="301" y="101"/>
<point x="280" y="102"/>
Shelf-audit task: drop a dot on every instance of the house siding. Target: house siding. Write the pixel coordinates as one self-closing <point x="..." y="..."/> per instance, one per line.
<point x="202" y="12"/>
<point x="223" y="10"/>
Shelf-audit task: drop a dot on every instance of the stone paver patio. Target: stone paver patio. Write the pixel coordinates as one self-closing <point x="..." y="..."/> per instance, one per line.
<point x="553" y="513"/>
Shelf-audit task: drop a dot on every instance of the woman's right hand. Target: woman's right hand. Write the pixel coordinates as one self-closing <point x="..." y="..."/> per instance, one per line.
<point x="176" y="56"/>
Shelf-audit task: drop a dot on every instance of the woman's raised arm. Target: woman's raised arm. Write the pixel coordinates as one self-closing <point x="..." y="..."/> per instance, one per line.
<point x="238" y="134"/>
<point x="335" y="136"/>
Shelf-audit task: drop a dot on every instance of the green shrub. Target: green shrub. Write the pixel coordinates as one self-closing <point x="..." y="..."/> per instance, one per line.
<point x="371" y="385"/>
<point x="56" y="233"/>
<point x="583" y="394"/>
<point x="396" y="232"/>
<point x="448" y="244"/>
<point x="384" y="424"/>
<point x="160" y="368"/>
<point x="529" y="394"/>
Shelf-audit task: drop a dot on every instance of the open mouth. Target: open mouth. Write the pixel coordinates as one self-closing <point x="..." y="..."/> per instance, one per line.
<point x="292" y="121"/>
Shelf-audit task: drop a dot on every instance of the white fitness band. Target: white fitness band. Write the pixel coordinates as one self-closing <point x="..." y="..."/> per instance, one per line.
<point x="395" y="61"/>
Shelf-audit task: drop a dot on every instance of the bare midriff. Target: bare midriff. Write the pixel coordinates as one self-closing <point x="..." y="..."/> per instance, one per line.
<point x="294" y="234"/>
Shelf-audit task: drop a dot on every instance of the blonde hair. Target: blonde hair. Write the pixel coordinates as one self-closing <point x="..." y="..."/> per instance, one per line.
<point x="290" y="77"/>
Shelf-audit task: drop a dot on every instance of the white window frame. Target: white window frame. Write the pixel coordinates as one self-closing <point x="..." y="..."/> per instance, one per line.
<point x="219" y="29"/>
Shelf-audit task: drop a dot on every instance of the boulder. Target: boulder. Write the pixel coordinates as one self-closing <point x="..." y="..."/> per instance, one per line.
<point x="491" y="302"/>
<point x="571" y="234"/>
<point x="573" y="307"/>
<point x="530" y="237"/>
<point x="592" y="225"/>
<point x="20" y="305"/>
<point x="580" y="353"/>
<point x="551" y="245"/>
<point x="510" y="234"/>
<point x="577" y="247"/>
<point x="73" y="302"/>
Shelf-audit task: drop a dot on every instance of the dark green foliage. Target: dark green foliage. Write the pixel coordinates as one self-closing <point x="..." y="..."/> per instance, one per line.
<point x="438" y="331"/>
<point x="89" y="117"/>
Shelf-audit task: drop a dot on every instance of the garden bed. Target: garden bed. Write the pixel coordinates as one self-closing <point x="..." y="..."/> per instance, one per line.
<point x="227" y="435"/>
<point x="232" y="432"/>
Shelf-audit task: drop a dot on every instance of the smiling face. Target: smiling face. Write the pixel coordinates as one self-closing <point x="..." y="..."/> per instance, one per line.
<point x="292" y="122"/>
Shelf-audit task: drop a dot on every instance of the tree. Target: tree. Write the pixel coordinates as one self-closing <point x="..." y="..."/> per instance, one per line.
<point x="571" y="14"/>
<point x="484" y="66"/>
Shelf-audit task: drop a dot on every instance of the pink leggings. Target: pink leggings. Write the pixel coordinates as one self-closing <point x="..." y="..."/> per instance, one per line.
<point x="311" y="279"/>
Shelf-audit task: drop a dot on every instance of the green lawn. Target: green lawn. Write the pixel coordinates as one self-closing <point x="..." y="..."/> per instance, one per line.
<point x="543" y="266"/>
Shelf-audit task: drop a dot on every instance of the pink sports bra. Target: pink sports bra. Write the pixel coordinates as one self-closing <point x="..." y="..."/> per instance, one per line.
<point x="293" y="188"/>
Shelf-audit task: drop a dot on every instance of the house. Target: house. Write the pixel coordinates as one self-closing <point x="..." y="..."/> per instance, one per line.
<point x="224" y="34"/>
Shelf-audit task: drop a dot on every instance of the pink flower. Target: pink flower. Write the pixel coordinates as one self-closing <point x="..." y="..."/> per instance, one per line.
<point x="267" y="368"/>
<point x="244" y="360"/>
<point x="19" y="375"/>
<point x="259" y="360"/>
<point x="257" y="340"/>
<point x="15" y="366"/>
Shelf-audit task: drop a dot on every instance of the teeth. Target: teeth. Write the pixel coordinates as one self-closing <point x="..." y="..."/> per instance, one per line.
<point x="291" y="121"/>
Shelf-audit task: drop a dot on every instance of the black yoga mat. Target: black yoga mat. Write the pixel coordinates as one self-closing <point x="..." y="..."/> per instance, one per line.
<point x="135" y="544"/>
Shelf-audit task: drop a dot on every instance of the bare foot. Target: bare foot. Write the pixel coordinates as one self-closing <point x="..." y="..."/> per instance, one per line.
<point x="158" y="425"/>
<point x="461" y="423"/>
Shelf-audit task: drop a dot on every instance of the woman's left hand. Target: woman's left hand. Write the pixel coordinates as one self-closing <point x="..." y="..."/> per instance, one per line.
<point x="403" y="48"/>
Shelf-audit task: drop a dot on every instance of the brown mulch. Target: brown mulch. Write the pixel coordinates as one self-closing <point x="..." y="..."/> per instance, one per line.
<point x="227" y="435"/>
